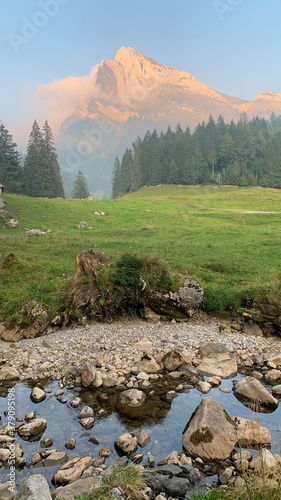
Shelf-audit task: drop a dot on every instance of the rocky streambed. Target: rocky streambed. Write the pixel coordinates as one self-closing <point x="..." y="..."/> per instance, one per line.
<point x="88" y="396"/>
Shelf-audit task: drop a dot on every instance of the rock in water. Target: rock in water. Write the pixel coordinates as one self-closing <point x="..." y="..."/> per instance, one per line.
<point x="34" y="488"/>
<point x="250" y="389"/>
<point x="210" y="433"/>
<point x="35" y="428"/>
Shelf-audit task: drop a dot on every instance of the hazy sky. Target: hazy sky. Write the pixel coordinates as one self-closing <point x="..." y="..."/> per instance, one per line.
<point x="233" y="46"/>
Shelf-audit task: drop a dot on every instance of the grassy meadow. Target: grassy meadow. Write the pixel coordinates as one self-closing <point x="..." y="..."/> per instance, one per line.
<point x="201" y="232"/>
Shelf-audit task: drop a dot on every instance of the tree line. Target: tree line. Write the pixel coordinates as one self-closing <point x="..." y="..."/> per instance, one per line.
<point x="247" y="153"/>
<point x="40" y="174"/>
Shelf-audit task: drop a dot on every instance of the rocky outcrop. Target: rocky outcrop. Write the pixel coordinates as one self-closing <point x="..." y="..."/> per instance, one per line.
<point x="95" y="299"/>
<point x="217" y="360"/>
<point x="249" y="389"/>
<point x="210" y="433"/>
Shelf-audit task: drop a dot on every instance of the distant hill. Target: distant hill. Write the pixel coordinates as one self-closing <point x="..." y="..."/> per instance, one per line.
<point x="133" y="94"/>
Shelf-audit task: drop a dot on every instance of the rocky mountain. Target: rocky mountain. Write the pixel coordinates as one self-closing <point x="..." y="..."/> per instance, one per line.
<point x="130" y="95"/>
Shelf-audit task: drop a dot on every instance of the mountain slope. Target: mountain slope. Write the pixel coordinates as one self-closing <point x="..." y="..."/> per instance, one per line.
<point x="132" y="94"/>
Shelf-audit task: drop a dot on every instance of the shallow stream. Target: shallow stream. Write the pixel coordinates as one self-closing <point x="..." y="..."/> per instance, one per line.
<point x="163" y="421"/>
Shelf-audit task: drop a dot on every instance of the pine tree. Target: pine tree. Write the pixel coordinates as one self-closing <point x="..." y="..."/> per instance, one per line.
<point x="126" y="172"/>
<point x="137" y="176"/>
<point x="10" y="169"/>
<point x="80" y="189"/>
<point x="116" y="192"/>
<point x="34" y="169"/>
<point x="54" y="184"/>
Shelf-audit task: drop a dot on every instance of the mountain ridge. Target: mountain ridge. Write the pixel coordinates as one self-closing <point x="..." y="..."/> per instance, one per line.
<point x="131" y="94"/>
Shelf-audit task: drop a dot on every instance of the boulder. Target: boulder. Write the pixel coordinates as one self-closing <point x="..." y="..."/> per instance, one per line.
<point x="210" y="433"/>
<point x="4" y="454"/>
<point x="72" y="470"/>
<point x="172" y="360"/>
<point x="70" y="444"/>
<point x="88" y="374"/>
<point x="126" y="443"/>
<point x="143" y="438"/>
<point x="132" y="397"/>
<point x="181" y="304"/>
<point x="250" y="433"/>
<point x="203" y="387"/>
<point x="272" y="376"/>
<point x="217" y="360"/>
<point x="148" y="365"/>
<point x="264" y="460"/>
<point x="8" y="374"/>
<point x="251" y="390"/>
<point x="34" y="487"/>
<point x="34" y="428"/>
<point x="276" y="359"/>
<point x="251" y="328"/>
<point x="76" y="489"/>
<point x="37" y="395"/>
<point x="6" y="492"/>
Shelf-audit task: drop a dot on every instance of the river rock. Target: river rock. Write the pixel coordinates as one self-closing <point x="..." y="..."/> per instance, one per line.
<point x="210" y="433"/>
<point x="272" y="376"/>
<point x="72" y="470"/>
<point x="217" y="360"/>
<point x="264" y="460"/>
<point x="132" y="397"/>
<point x="76" y="489"/>
<point x="250" y="433"/>
<point x="70" y="444"/>
<point x="46" y="443"/>
<point x="8" y="374"/>
<point x="276" y="360"/>
<point x="86" y="411"/>
<point x="143" y="438"/>
<point x="34" y="428"/>
<point x="4" y="454"/>
<point x="277" y="390"/>
<point x="172" y="360"/>
<point x="251" y="389"/>
<point x="37" y="395"/>
<point x="56" y="458"/>
<point x="87" y="423"/>
<point x="34" y="487"/>
<point x="148" y="365"/>
<point x="105" y="452"/>
<point x="126" y="443"/>
<point x="203" y="387"/>
<point x="88" y="374"/>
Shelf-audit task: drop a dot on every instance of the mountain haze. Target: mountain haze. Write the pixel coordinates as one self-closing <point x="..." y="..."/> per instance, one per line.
<point x="130" y="95"/>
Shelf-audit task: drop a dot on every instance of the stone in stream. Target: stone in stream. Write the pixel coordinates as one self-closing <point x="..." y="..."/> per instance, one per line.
<point x="210" y="433"/>
<point x="34" y="487"/>
<point x="143" y="438"/>
<point x="34" y="428"/>
<point x="217" y="360"/>
<point x="251" y="390"/>
<point x="203" y="387"/>
<point x="8" y="374"/>
<point x="132" y="397"/>
<point x="72" y="470"/>
<point x="272" y="376"/>
<point x="87" y="423"/>
<point x="276" y="390"/>
<point x="86" y="411"/>
<point x="94" y="440"/>
<point x="70" y="444"/>
<point x="46" y="443"/>
<point x="30" y="416"/>
<point x="105" y="452"/>
<point x="126" y="444"/>
<point x="4" y="454"/>
<point x="56" y="458"/>
<point x="37" y="395"/>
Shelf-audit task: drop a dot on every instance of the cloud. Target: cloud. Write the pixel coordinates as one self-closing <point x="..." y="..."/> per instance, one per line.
<point x="60" y="99"/>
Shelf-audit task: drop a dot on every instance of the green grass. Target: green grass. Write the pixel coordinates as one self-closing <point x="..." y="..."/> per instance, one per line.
<point x="235" y="256"/>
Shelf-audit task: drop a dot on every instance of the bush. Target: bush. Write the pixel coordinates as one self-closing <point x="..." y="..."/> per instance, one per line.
<point x="127" y="271"/>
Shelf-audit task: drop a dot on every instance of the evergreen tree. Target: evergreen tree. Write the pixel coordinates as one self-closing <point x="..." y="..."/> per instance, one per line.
<point x="80" y="189"/>
<point x="126" y="172"/>
<point x="10" y="169"/>
<point x="137" y="175"/>
<point x="116" y="191"/>
<point x="54" y="185"/>
<point x="34" y="169"/>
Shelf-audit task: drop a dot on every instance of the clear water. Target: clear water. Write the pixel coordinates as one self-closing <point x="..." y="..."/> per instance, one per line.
<point x="163" y="421"/>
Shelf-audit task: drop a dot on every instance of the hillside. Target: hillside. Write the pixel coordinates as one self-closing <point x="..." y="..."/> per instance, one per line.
<point x="203" y="232"/>
<point x="133" y="94"/>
